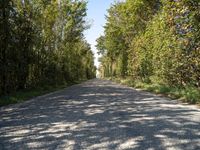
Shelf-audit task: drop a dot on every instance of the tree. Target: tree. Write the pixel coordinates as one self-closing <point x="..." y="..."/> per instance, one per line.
<point x="152" y="41"/>
<point x="42" y="43"/>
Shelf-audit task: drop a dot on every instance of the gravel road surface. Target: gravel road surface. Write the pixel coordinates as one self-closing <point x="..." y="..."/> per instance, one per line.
<point x="98" y="115"/>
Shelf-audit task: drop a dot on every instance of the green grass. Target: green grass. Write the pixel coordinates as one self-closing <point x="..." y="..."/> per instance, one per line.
<point x="23" y="95"/>
<point x="187" y="94"/>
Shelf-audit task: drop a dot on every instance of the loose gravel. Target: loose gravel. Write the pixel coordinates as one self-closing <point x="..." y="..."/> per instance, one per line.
<point x="98" y="115"/>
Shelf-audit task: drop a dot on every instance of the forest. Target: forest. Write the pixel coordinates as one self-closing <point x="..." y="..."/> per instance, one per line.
<point x="42" y="43"/>
<point x="153" y="44"/>
<point x="144" y="95"/>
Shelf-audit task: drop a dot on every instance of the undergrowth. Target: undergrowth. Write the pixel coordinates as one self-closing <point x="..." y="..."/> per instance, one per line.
<point x="187" y="94"/>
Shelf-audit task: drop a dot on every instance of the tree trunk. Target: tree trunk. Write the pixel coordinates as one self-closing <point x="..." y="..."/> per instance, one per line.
<point x="4" y="50"/>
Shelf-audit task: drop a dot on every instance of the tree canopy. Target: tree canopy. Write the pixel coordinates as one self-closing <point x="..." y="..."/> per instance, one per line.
<point x="42" y="42"/>
<point x="155" y="41"/>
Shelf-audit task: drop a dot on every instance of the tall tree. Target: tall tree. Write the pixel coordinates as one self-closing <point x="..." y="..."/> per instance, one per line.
<point x="42" y="42"/>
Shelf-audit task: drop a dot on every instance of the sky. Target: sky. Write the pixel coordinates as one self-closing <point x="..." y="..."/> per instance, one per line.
<point x="97" y="9"/>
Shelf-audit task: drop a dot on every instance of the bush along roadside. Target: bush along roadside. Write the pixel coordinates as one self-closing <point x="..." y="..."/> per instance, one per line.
<point x="24" y="95"/>
<point x="186" y="94"/>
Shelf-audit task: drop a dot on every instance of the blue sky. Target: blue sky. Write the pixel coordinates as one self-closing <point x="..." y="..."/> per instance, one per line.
<point x="97" y="9"/>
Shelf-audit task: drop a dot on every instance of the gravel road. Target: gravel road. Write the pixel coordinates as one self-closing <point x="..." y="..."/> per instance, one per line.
<point x="100" y="114"/>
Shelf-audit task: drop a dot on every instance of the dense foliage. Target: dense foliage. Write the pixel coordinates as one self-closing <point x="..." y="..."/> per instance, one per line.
<point x="155" y="41"/>
<point x="42" y="42"/>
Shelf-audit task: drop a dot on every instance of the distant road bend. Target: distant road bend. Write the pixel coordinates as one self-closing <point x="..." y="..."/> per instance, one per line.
<point x="100" y="114"/>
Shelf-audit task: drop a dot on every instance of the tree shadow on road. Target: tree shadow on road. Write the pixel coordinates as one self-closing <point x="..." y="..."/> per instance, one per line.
<point x="99" y="115"/>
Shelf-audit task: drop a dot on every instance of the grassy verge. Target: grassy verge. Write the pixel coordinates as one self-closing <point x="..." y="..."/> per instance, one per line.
<point x="187" y="94"/>
<point x="26" y="94"/>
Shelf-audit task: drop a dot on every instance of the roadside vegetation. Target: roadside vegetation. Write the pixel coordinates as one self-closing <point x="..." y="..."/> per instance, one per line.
<point x="26" y="94"/>
<point x="42" y="45"/>
<point x="153" y="45"/>
<point x="188" y="94"/>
